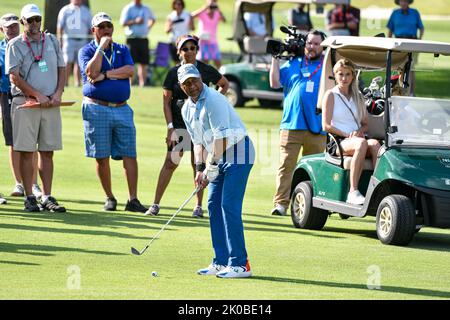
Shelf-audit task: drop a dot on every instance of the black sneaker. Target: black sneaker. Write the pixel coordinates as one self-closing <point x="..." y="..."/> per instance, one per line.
<point x="31" y="204"/>
<point x="52" y="205"/>
<point x="135" y="206"/>
<point x="110" y="204"/>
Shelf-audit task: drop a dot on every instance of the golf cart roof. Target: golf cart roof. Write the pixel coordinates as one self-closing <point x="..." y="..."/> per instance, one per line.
<point x="265" y="7"/>
<point x="385" y="44"/>
<point x="371" y="53"/>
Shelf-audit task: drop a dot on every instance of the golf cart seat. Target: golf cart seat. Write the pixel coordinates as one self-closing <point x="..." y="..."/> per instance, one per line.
<point x="255" y="47"/>
<point x="375" y="131"/>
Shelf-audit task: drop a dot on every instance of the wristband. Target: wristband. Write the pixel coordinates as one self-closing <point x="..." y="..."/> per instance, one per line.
<point x="200" y="167"/>
<point x="106" y="76"/>
<point x="213" y="162"/>
<point x="170" y="125"/>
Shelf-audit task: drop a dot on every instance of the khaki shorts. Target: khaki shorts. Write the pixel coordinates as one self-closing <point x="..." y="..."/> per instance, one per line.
<point x="35" y="128"/>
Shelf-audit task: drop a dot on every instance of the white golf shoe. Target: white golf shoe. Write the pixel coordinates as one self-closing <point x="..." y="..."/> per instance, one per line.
<point x="355" y="197"/>
<point x="235" y="272"/>
<point x="211" y="270"/>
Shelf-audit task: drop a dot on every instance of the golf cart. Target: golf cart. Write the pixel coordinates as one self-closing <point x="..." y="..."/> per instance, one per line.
<point x="410" y="185"/>
<point x="249" y="78"/>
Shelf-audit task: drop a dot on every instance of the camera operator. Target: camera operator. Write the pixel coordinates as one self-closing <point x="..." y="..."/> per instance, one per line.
<point x="300" y="125"/>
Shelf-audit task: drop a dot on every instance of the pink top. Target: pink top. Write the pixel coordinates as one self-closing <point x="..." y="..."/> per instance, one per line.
<point x="208" y="26"/>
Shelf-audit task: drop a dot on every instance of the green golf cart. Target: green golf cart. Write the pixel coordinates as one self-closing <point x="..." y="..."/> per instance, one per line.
<point x="249" y="78"/>
<point x="410" y="185"/>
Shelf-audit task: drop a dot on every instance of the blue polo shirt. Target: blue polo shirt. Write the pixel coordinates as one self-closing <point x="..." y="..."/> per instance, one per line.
<point x="4" y="80"/>
<point x="298" y="101"/>
<point x="114" y="91"/>
<point x="405" y="24"/>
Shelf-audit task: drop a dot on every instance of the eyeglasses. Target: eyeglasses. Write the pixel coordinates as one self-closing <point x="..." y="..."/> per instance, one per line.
<point x="105" y="25"/>
<point x="34" y="19"/>
<point x="186" y="49"/>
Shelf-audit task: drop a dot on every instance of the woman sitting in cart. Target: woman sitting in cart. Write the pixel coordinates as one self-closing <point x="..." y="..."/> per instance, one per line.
<point x="345" y="116"/>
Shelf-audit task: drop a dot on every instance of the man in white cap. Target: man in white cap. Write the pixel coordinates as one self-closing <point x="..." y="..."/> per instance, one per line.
<point x="216" y="129"/>
<point x="36" y="69"/>
<point x="9" y="25"/>
<point x="109" y="131"/>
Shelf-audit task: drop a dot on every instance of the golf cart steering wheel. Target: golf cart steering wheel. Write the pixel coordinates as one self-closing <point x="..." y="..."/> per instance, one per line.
<point x="434" y="122"/>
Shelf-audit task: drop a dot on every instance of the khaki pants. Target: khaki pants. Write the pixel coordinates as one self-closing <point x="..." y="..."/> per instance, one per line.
<point x="290" y="143"/>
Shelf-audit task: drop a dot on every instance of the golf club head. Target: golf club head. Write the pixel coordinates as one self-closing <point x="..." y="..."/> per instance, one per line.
<point x="135" y="251"/>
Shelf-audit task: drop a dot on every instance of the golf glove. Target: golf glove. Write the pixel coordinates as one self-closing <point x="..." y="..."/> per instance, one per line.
<point x="212" y="172"/>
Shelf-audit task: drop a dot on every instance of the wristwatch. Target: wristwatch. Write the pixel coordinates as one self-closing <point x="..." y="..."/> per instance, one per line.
<point x="170" y="125"/>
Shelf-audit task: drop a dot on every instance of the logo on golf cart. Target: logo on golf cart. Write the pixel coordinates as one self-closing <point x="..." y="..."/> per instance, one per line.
<point x="336" y="177"/>
<point x="445" y="161"/>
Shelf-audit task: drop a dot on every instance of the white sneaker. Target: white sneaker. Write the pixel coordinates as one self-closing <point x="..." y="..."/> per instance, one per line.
<point x="18" y="191"/>
<point x="235" y="272"/>
<point x="2" y="200"/>
<point x="279" y="210"/>
<point x="37" y="192"/>
<point x="355" y="197"/>
<point x="211" y="270"/>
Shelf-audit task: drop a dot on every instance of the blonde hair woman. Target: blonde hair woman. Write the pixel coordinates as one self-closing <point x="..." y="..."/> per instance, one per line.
<point x="345" y="116"/>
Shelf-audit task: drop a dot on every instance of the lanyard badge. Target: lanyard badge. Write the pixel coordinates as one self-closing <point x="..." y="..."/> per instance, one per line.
<point x="35" y="57"/>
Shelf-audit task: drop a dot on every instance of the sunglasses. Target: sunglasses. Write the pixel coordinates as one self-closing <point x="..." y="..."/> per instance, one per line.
<point x="186" y="49"/>
<point x="10" y="18"/>
<point x="34" y="19"/>
<point x="105" y="25"/>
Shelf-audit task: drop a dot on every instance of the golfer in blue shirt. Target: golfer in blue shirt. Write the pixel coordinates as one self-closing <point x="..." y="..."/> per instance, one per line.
<point x="216" y="129"/>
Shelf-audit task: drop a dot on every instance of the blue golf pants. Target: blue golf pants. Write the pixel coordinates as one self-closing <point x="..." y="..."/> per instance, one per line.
<point x="225" y="198"/>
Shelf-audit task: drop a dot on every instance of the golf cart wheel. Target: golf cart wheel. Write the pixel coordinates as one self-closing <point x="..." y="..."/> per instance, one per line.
<point x="303" y="214"/>
<point x="269" y="103"/>
<point x="343" y="216"/>
<point x="234" y="95"/>
<point x="396" y="220"/>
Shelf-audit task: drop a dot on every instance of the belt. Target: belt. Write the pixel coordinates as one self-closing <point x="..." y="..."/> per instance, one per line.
<point x="105" y="103"/>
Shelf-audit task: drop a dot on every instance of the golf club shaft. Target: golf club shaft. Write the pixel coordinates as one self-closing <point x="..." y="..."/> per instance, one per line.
<point x="171" y="218"/>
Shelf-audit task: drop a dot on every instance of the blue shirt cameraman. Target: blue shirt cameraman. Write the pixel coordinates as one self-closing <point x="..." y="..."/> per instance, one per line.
<point x="300" y="125"/>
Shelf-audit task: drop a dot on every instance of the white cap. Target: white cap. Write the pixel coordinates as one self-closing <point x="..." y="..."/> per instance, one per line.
<point x="186" y="71"/>
<point x="8" y="19"/>
<point x="99" y="18"/>
<point x="30" y="10"/>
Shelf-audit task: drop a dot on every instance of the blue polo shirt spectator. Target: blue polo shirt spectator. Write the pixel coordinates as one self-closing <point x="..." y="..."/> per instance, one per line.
<point x="4" y="80"/>
<point x="115" y="91"/>
<point x="405" y="23"/>
<point x="300" y="99"/>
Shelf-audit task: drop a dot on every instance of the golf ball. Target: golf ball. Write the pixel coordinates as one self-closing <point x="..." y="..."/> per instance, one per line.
<point x="154" y="273"/>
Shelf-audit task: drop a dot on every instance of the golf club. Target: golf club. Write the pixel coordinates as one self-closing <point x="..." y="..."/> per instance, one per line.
<point x="138" y="253"/>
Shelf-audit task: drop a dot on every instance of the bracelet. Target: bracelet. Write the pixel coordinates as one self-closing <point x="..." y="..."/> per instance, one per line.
<point x="200" y="167"/>
<point x="170" y="125"/>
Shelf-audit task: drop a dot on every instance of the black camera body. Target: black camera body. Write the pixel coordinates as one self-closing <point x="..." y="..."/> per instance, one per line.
<point x="293" y="46"/>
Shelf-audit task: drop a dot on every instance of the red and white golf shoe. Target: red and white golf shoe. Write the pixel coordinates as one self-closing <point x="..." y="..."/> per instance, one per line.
<point x="235" y="272"/>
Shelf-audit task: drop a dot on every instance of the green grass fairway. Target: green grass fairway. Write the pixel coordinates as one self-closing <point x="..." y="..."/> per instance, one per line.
<point x="85" y="253"/>
<point x="40" y="253"/>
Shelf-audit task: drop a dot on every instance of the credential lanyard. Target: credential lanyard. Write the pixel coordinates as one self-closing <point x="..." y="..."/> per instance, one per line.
<point x="41" y="56"/>
<point x="317" y="68"/>
<point x="112" y="58"/>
